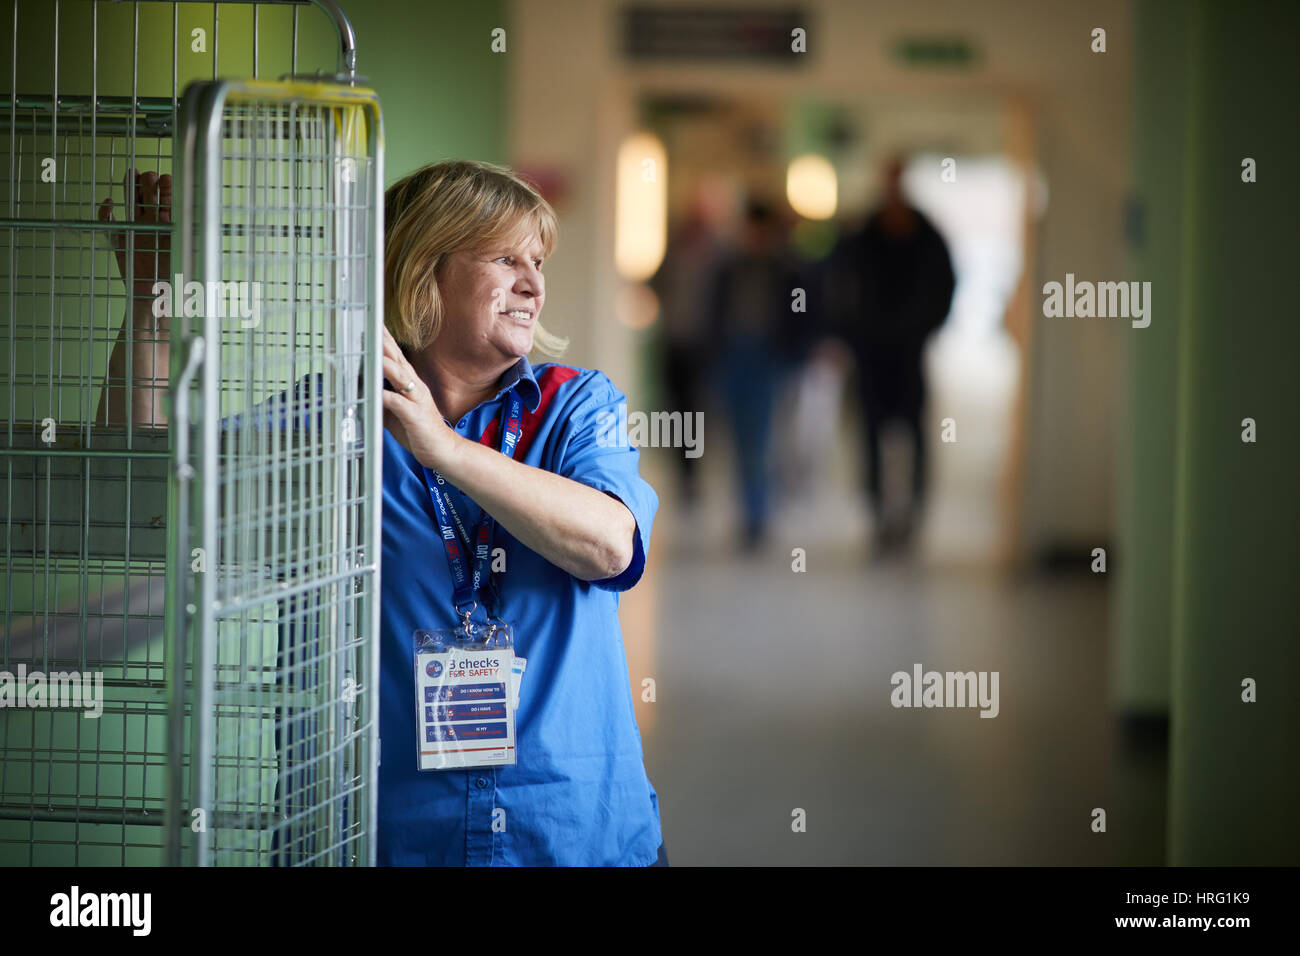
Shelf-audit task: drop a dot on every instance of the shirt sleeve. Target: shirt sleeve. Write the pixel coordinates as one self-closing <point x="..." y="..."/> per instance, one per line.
<point x="290" y="409"/>
<point x="597" y="453"/>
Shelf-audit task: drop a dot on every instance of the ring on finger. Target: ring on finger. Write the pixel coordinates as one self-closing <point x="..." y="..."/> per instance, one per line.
<point x="410" y="387"/>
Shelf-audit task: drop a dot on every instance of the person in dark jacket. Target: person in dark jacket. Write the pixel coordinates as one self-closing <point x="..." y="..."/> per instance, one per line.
<point x="683" y="287"/>
<point x="757" y="336"/>
<point x="891" y="285"/>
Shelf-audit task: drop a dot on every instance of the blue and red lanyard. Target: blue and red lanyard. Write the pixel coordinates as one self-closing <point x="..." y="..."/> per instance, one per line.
<point x="468" y="583"/>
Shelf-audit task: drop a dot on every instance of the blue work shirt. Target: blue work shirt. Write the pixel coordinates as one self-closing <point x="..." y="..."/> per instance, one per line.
<point x="578" y="793"/>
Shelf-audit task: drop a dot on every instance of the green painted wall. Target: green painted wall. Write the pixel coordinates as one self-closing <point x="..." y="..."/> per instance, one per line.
<point x="1235" y="776"/>
<point x="119" y="59"/>
<point x="442" y="89"/>
<point x="1234" y="549"/>
<point x="1145" y="518"/>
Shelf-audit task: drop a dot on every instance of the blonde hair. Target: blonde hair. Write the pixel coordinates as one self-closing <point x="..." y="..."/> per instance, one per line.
<point x="444" y="208"/>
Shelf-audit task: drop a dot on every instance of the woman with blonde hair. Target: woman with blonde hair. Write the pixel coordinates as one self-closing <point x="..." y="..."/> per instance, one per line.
<point x="509" y="506"/>
<point x="476" y="433"/>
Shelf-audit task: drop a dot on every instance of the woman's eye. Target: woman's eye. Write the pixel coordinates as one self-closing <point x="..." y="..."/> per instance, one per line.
<point x="510" y="261"/>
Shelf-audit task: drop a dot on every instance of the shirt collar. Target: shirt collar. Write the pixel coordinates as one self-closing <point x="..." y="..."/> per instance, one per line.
<point x="520" y="376"/>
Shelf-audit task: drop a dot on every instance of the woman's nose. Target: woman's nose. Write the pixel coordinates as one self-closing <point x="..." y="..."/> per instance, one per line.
<point x="530" y="281"/>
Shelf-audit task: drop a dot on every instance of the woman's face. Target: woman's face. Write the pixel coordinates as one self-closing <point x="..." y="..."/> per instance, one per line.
<point x="492" y="300"/>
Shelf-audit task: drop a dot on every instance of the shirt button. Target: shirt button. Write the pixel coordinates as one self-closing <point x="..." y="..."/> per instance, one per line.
<point x="461" y="423"/>
<point x="482" y="783"/>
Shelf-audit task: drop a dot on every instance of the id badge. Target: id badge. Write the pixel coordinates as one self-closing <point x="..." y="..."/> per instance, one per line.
<point x="466" y="692"/>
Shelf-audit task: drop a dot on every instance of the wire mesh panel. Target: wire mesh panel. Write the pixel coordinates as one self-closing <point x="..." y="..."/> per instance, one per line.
<point x="89" y="490"/>
<point x="278" y="510"/>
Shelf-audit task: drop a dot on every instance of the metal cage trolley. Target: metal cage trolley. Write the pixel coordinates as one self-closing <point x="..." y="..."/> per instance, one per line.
<point x="191" y="535"/>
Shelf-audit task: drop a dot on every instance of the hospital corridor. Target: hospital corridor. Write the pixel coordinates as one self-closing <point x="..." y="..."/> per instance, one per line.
<point x="746" y="434"/>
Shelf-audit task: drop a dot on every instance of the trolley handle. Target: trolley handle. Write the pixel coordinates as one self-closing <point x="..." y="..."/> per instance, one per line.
<point x="184" y="470"/>
<point x="347" y="37"/>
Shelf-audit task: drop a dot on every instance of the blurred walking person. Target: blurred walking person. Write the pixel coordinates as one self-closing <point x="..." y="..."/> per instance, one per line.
<point x="891" y="286"/>
<point x="683" y="286"/>
<point x="756" y="336"/>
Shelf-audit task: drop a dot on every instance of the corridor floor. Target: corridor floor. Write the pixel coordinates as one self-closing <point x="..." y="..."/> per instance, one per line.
<point x="773" y="695"/>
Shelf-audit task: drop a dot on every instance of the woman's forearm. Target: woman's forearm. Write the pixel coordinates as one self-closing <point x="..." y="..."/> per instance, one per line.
<point x="144" y="385"/>
<point x="584" y="531"/>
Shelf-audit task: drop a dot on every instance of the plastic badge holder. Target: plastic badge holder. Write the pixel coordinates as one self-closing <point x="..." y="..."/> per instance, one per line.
<point x="466" y="691"/>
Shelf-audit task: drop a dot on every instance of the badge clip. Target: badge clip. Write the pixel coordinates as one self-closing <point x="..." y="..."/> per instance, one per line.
<point x="465" y="623"/>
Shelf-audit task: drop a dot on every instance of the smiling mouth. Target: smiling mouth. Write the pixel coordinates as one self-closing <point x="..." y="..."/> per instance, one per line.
<point x="520" y="315"/>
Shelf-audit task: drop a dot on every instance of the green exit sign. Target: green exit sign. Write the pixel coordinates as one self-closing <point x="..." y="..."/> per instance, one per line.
<point x="936" y="52"/>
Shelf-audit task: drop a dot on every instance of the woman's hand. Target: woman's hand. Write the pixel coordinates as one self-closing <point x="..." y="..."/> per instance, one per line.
<point x="584" y="531"/>
<point x="410" y="412"/>
<point x="151" y="258"/>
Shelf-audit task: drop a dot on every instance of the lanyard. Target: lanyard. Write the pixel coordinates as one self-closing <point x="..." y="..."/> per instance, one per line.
<point x="466" y="582"/>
